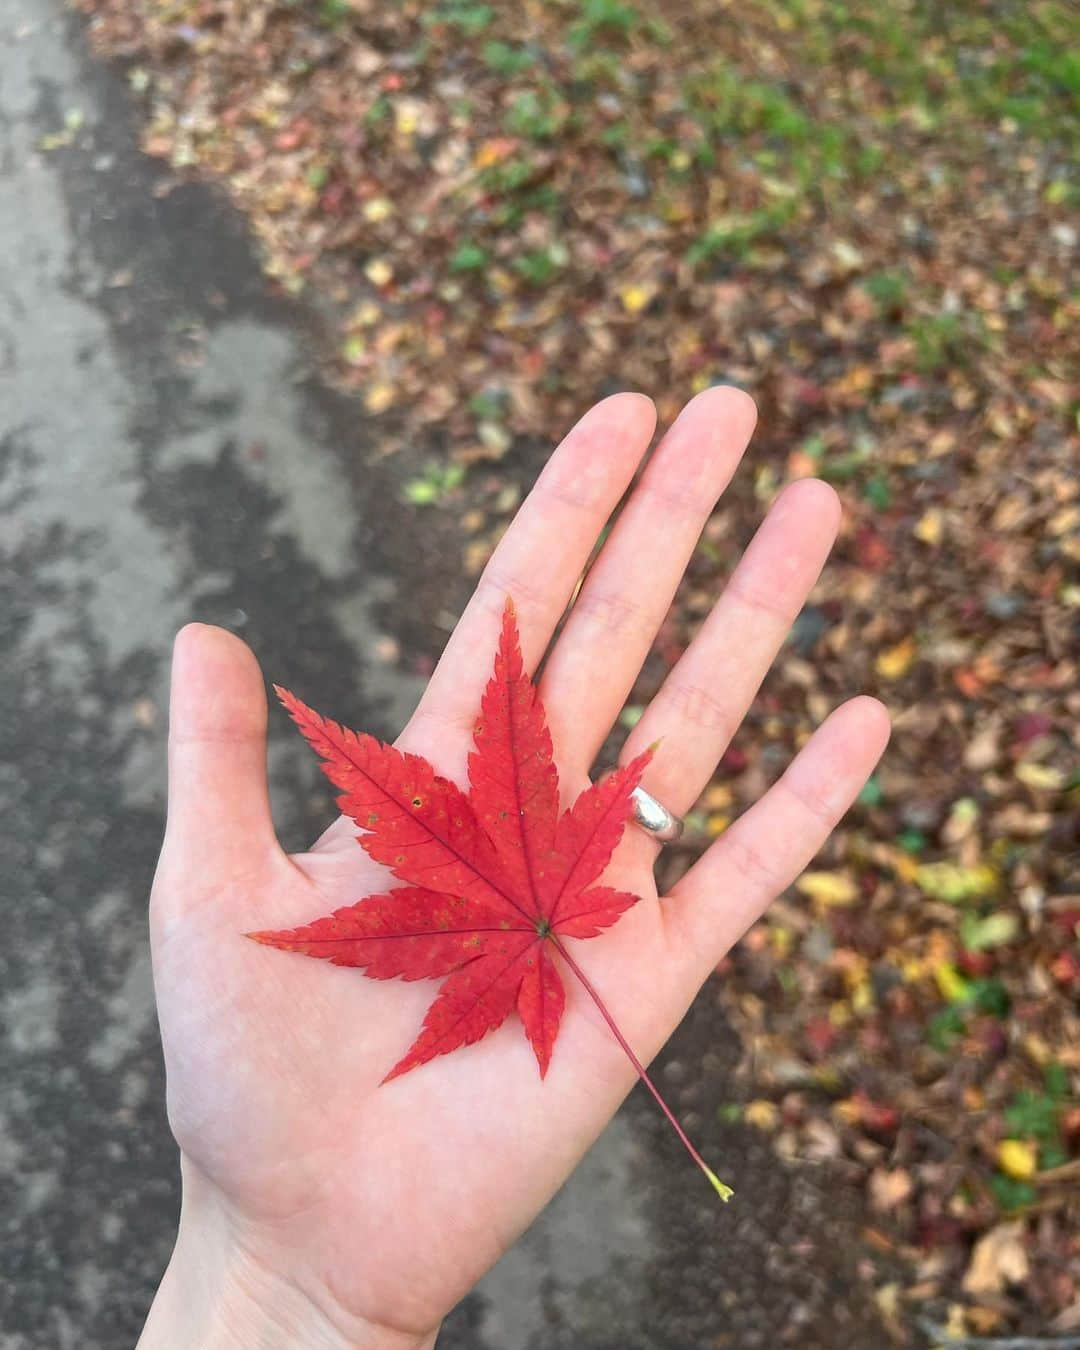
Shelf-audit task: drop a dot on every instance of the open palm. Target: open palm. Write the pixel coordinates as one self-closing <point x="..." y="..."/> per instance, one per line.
<point x="356" y="1214"/>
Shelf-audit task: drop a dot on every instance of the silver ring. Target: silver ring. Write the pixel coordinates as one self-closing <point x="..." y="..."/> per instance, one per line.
<point x="655" y="818"/>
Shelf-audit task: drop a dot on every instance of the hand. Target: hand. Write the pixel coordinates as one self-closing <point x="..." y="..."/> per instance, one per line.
<point x="320" y="1208"/>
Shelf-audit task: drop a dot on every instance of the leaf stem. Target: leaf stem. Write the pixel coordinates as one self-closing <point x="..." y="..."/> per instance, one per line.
<point x="724" y="1192"/>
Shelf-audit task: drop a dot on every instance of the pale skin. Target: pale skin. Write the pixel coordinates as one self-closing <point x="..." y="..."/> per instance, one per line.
<point x="321" y="1209"/>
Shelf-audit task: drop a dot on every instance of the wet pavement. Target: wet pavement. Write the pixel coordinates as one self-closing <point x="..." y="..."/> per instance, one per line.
<point x="167" y="453"/>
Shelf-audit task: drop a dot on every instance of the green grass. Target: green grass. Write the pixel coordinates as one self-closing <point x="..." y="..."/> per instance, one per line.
<point x="959" y="62"/>
<point x="601" y="20"/>
<point x="469" y="19"/>
<point x="469" y="257"/>
<point x="537" y="114"/>
<point x="505" y="59"/>
<point x="538" y="266"/>
<point x="1037" y="1116"/>
<point x="334" y="13"/>
<point x="433" y="485"/>
<point x="945" y="339"/>
<point x="734" y="236"/>
<point x="888" y="289"/>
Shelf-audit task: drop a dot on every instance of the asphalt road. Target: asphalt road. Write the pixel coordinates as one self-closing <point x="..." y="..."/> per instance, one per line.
<point x="166" y="453"/>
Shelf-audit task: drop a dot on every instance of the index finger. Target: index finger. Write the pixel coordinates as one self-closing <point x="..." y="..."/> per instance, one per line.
<point x="541" y="556"/>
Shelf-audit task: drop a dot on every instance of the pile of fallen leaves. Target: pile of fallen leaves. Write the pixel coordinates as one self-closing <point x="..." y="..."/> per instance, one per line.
<point x="862" y="213"/>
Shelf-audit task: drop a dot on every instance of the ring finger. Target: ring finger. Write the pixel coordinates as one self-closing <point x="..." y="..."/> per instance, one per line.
<point x="701" y="703"/>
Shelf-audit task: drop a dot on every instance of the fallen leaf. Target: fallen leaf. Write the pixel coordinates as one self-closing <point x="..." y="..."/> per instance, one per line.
<point x="379" y="396"/>
<point x="954" y="883"/>
<point x="954" y="988"/>
<point x="877" y="1118"/>
<point x="1042" y="777"/>
<point x="828" y="889"/>
<point x="1018" y="1159"/>
<point x="988" y="931"/>
<point x="929" y="527"/>
<point x="379" y="272"/>
<point x="636" y="297"/>
<point x="847" y="255"/>
<point x="963" y="817"/>
<point x="378" y="209"/>
<point x="762" y="1114"/>
<point x="889" y="1189"/>
<point x="998" y="1260"/>
<point x="895" y="662"/>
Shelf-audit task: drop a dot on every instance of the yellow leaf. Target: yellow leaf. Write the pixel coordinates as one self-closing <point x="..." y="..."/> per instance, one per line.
<point x="955" y="884"/>
<point x="929" y="527"/>
<point x="888" y="1300"/>
<point x="839" y="1013"/>
<point x="379" y="397"/>
<point x="855" y="381"/>
<point x="407" y="112"/>
<point x="762" y="1114"/>
<point x="378" y="208"/>
<point x="1041" y="776"/>
<point x="895" y="662"/>
<point x="1017" y="1159"/>
<point x="636" y="297"/>
<point x="954" y="988"/>
<point x="956" y="1325"/>
<point x="903" y="864"/>
<point x="828" y="889"/>
<point x="379" y="272"/>
<point x="847" y="255"/>
<point x="365" y="314"/>
<point x="912" y="970"/>
<point x="782" y="940"/>
<point x="1038" y="1049"/>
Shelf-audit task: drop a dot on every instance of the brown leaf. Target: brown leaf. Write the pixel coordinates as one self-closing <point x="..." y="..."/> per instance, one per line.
<point x="998" y="1260"/>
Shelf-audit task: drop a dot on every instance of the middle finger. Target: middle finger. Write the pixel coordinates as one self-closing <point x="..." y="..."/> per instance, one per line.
<point x="629" y="588"/>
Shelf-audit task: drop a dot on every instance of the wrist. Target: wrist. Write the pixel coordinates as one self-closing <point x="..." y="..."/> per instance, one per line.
<point x="215" y="1293"/>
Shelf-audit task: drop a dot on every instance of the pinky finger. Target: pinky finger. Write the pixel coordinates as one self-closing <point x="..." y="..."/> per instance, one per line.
<point x="769" y="846"/>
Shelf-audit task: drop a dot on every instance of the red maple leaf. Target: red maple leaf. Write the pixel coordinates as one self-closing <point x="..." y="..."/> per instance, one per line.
<point x="495" y="879"/>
